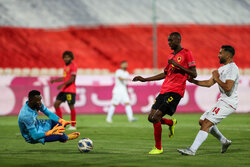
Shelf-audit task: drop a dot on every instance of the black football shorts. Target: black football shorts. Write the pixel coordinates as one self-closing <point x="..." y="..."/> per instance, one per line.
<point x="167" y="102"/>
<point x="69" y="97"/>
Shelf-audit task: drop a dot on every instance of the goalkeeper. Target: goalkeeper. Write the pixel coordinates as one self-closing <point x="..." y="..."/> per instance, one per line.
<point x="42" y="130"/>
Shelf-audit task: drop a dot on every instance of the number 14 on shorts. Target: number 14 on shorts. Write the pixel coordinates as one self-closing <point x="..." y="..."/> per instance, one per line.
<point x="216" y="110"/>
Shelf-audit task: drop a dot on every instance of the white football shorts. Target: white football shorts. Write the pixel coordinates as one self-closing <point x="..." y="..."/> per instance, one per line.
<point x="218" y="112"/>
<point x="120" y="97"/>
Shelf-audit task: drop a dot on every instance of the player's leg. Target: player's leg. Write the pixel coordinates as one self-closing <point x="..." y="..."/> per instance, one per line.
<point x="200" y="138"/>
<point x="114" y="102"/>
<point x="169" y="105"/>
<point x="208" y="120"/>
<point x="129" y="112"/>
<point x="124" y="99"/>
<point x="225" y="143"/>
<point x="59" y="99"/>
<point x="213" y="130"/>
<point x="221" y="111"/>
<point x="110" y="113"/>
<point x="155" y="117"/>
<point x="71" y="102"/>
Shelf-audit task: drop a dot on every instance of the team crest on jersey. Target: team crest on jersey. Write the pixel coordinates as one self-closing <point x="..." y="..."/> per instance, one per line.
<point x="178" y="59"/>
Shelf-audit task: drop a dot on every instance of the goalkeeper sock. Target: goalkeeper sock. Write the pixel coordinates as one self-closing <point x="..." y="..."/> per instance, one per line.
<point x="73" y="116"/>
<point x="168" y="122"/>
<point x="59" y="112"/>
<point x="157" y="135"/>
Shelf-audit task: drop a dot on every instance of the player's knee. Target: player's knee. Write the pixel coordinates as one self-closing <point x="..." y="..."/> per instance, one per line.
<point x="71" y="106"/>
<point x="57" y="104"/>
<point x="151" y="119"/>
<point x="200" y="122"/>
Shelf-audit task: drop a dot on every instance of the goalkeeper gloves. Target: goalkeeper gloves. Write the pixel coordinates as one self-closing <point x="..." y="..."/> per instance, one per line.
<point x="57" y="130"/>
<point x="64" y="123"/>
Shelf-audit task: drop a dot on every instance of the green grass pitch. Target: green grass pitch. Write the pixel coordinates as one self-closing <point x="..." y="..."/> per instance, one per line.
<point x="127" y="144"/>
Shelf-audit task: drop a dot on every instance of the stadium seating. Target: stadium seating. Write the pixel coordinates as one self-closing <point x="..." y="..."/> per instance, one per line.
<point x="105" y="47"/>
<point x="33" y="35"/>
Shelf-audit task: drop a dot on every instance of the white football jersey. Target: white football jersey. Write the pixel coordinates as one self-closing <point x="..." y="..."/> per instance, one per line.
<point x="229" y="72"/>
<point x="120" y="85"/>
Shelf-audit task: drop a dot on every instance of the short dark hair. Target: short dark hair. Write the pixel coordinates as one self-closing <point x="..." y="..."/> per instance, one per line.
<point x="68" y="53"/>
<point x="33" y="93"/>
<point x="177" y="34"/>
<point x="229" y="49"/>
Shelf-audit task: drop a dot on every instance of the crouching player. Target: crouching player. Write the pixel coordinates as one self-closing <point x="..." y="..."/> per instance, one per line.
<point x="42" y="130"/>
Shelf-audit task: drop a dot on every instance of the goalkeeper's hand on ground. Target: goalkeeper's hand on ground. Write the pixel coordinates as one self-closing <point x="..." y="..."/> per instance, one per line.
<point x="57" y="130"/>
<point x="64" y="123"/>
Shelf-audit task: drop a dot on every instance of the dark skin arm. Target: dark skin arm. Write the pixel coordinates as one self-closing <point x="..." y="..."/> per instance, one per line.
<point x="227" y="86"/>
<point x="190" y="71"/>
<point x="71" y="80"/>
<point x="153" y="78"/>
<point x="56" y="80"/>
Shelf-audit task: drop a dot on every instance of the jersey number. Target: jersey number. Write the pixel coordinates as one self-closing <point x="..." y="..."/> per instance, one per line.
<point x="216" y="110"/>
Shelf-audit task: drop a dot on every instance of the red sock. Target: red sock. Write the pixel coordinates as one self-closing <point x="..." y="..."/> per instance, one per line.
<point x="167" y="121"/>
<point x="59" y="112"/>
<point x="73" y="116"/>
<point x="157" y="135"/>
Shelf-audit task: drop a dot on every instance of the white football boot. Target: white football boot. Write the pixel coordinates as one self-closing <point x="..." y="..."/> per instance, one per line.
<point x="225" y="145"/>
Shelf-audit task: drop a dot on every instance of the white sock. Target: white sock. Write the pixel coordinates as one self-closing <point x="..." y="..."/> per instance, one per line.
<point x="110" y="112"/>
<point x="129" y="112"/>
<point x="200" y="138"/>
<point x="216" y="133"/>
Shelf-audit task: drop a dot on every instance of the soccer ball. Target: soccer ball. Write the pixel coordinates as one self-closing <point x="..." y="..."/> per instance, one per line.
<point x="85" y="145"/>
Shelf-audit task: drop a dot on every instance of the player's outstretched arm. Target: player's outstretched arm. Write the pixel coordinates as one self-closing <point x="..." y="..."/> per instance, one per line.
<point x="64" y="123"/>
<point x="205" y="83"/>
<point x="153" y="78"/>
<point x="56" y="80"/>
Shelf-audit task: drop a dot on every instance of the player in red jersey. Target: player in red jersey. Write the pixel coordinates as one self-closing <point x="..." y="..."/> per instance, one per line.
<point x="181" y="64"/>
<point x="68" y="87"/>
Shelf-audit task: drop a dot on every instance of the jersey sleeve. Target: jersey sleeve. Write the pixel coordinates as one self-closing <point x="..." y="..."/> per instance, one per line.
<point x="232" y="73"/>
<point x="48" y="113"/>
<point x="35" y="135"/>
<point x="73" y="69"/>
<point x="190" y="59"/>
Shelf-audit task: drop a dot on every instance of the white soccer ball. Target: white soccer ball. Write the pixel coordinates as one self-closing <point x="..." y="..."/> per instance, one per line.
<point x="85" y="145"/>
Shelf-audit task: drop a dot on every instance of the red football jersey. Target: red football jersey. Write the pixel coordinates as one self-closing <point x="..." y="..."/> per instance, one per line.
<point x="68" y="71"/>
<point x="175" y="80"/>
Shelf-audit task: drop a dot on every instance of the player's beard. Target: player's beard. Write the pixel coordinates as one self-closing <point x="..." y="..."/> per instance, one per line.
<point x="37" y="106"/>
<point x="67" y="63"/>
<point x="222" y="60"/>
